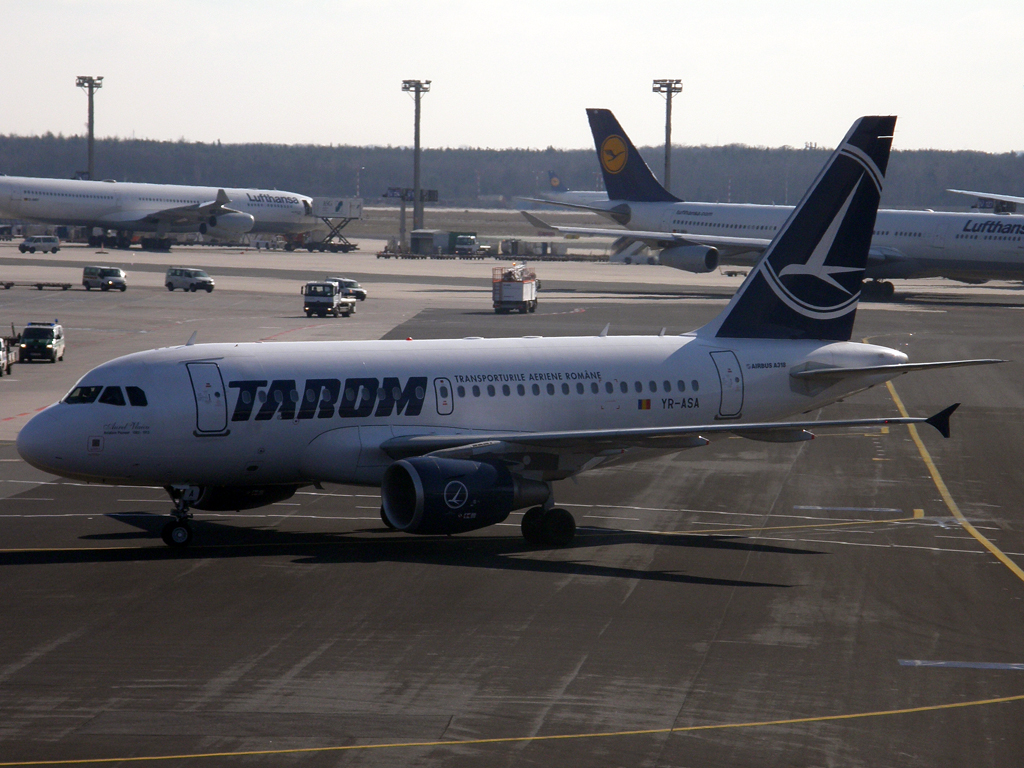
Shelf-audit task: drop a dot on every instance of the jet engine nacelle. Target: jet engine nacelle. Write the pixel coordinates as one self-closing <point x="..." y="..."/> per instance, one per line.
<point x="227" y="498"/>
<point x="691" y="258"/>
<point x="430" y="495"/>
<point x="227" y="224"/>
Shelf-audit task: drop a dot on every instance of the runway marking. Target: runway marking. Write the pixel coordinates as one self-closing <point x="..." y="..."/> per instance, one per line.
<point x="960" y="664"/>
<point x="684" y="729"/>
<point x="947" y="496"/>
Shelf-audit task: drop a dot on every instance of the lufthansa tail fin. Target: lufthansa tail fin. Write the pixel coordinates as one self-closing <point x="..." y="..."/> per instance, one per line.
<point x="626" y="175"/>
<point x="557" y="185"/>
<point x="808" y="282"/>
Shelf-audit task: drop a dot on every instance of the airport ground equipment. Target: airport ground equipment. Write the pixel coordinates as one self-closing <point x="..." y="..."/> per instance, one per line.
<point x="104" y="278"/>
<point x="324" y="298"/>
<point x="9" y="351"/>
<point x="337" y="213"/>
<point x="514" y="288"/>
<point x="42" y="341"/>
<point x="8" y="284"/>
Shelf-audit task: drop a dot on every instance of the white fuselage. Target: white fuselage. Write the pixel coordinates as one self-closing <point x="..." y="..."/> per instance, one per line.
<point x="906" y="244"/>
<point x="303" y="412"/>
<point x="126" y="205"/>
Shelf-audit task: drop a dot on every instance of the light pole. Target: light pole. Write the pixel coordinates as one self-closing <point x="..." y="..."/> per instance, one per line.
<point x="417" y="88"/>
<point x="359" y="174"/>
<point x="668" y="88"/>
<point x="91" y="85"/>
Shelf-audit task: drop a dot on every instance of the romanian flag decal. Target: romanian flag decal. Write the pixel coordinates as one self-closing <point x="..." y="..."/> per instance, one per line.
<point x="643" y="405"/>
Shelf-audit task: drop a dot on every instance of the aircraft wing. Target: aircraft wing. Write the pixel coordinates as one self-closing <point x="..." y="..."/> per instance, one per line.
<point x="726" y="245"/>
<point x="182" y="214"/>
<point x="608" y="442"/>
<point x="989" y="196"/>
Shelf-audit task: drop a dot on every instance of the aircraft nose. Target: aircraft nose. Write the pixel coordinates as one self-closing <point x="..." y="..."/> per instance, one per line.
<point x="39" y="442"/>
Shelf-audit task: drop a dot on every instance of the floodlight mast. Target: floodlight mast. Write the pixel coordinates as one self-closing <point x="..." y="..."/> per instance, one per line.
<point x="417" y="88"/>
<point x="668" y="88"/>
<point x="91" y="85"/>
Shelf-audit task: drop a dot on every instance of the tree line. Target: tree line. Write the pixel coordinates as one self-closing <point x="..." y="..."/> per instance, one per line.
<point x="474" y="177"/>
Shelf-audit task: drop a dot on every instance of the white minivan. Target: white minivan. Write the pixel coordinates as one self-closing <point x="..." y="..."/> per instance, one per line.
<point x="188" y="279"/>
<point x="104" y="278"/>
<point x="42" y="243"/>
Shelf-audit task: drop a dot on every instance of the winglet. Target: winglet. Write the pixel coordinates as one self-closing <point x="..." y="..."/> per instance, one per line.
<point x="604" y="333"/>
<point x="535" y="221"/>
<point x="941" y="419"/>
<point x="192" y="339"/>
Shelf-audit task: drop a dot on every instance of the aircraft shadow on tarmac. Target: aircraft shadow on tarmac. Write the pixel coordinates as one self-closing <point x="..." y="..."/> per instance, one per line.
<point x="220" y="541"/>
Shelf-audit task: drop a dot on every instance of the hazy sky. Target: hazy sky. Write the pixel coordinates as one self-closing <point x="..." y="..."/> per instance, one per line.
<point x="518" y="74"/>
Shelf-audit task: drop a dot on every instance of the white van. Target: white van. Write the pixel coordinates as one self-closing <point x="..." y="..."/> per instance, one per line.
<point x="42" y="243"/>
<point x="188" y="279"/>
<point x="104" y="278"/>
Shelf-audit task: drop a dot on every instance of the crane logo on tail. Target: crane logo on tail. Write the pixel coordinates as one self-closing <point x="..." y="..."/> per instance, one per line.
<point x="613" y="154"/>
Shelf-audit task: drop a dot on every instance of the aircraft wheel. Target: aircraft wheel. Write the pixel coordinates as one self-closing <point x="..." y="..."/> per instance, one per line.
<point x="532" y="526"/>
<point x="888" y="289"/>
<point x="559" y="527"/>
<point x="384" y="517"/>
<point x="177" y="533"/>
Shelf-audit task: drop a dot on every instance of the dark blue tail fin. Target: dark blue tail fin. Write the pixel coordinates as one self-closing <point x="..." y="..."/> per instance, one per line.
<point x="557" y="185"/>
<point x="807" y="284"/>
<point x="626" y="175"/>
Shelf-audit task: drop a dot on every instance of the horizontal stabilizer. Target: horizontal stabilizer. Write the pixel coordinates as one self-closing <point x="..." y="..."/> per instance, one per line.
<point x="941" y="419"/>
<point x="837" y="374"/>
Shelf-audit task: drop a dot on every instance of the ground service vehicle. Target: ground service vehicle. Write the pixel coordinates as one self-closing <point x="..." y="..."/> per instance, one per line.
<point x="349" y="287"/>
<point x="7" y="355"/>
<point x="188" y="279"/>
<point x="104" y="278"/>
<point x="324" y="299"/>
<point x="466" y="245"/>
<point x="42" y="243"/>
<point x="42" y="341"/>
<point x="512" y="288"/>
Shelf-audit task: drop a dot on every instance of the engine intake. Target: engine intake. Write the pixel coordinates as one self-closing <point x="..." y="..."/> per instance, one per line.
<point x="428" y="495"/>
<point x="691" y="258"/>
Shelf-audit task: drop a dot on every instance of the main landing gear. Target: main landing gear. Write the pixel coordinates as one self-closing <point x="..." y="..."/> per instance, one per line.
<point x="177" y="533"/>
<point x="553" y="527"/>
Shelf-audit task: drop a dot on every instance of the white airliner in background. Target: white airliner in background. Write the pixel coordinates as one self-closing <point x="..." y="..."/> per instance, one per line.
<point x="970" y="247"/>
<point x="128" y="207"/>
<point x="459" y="433"/>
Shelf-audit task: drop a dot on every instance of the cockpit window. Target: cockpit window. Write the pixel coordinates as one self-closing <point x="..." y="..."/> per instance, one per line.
<point x="136" y="396"/>
<point x="112" y="396"/>
<point x="82" y="395"/>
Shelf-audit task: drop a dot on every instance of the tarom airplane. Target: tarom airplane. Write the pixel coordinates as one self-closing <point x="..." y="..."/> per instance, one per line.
<point x="459" y="433"/>
<point x="128" y="207"/>
<point x="697" y="237"/>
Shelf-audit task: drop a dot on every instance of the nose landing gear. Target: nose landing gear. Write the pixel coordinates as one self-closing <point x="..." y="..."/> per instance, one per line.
<point x="177" y="532"/>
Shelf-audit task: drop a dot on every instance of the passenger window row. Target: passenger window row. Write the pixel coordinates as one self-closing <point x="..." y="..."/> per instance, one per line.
<point x="106" y="395"/>
<point x="595" y="388"/>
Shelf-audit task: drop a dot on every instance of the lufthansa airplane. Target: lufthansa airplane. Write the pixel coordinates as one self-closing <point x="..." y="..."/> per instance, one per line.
<point x="459" y="433"/>
<point x="128" y="207"/>
<point x="696" y="237"/>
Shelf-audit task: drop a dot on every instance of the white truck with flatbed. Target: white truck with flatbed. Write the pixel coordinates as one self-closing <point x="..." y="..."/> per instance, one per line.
<point x="513" y="288"/>
<point x="325" y="298"/>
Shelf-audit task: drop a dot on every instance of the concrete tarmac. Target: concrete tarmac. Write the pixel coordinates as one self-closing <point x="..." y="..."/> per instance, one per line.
<point x="748" y="604"/>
